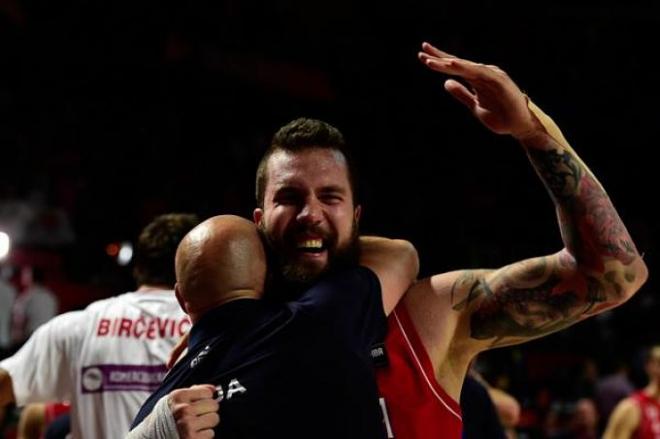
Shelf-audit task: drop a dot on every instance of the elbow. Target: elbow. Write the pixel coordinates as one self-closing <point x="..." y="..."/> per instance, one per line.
<point x="635" y="276"/>
<point x="629" y="280"/>
<point x="411" y="258"/>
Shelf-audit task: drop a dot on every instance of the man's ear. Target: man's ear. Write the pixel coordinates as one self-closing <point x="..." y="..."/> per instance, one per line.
<point x="257" y="215"/>
<point x="179" y="298"/>
<point x="358" y="213"/>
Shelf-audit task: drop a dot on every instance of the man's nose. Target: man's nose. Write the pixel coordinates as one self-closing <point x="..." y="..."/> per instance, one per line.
<point x="311" y="212"/>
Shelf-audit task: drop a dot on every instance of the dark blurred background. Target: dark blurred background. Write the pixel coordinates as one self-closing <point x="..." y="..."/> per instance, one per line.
<point x="113" y="112"/>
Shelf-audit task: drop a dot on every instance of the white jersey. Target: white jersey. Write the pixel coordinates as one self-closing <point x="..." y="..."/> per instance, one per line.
<point x="105" y="359"/>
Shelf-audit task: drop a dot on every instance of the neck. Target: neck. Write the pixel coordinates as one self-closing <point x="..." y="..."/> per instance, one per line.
<point x="653" y="390"/>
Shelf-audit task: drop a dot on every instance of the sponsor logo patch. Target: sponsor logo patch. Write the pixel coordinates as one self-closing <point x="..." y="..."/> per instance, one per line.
<point x="121" y="377"/>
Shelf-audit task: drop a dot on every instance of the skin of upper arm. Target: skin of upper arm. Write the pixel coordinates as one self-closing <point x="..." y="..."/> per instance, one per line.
<point x="396" y="264"/>
<point x="461" y="313"/>
<point x="532" y="298"/>
<point x="428" y="302"/>
<point x="624" y="420"/>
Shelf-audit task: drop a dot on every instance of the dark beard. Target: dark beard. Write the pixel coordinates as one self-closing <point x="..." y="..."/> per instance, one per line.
<point x="287" y="281"/>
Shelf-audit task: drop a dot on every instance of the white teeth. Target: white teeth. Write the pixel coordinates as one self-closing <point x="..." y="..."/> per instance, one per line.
<point x="311" y="243"/>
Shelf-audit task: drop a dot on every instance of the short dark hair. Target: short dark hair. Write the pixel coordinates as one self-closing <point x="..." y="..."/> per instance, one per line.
<point x="299" y="135"/>
<point x="156" y="248"/>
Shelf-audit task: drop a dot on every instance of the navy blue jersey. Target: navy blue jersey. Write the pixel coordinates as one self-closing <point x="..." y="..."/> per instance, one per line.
<point x="301" y="369"/>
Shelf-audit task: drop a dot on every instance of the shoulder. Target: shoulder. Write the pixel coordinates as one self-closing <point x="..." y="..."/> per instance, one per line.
<point x="121" y="300"/>
<point x="628" y="411"/>
<point x="97" y="307"/>
<point x="343" y="283"/>
<point x="69" y="326"/>
<point x="358" y="273"/>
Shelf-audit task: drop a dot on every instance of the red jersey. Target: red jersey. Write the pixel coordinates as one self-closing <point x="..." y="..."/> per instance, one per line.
<point x="649" y="422"/>
<point x="414" y="405"/>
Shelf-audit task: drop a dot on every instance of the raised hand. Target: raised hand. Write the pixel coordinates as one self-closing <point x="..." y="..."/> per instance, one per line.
<point x="492" y="96"/>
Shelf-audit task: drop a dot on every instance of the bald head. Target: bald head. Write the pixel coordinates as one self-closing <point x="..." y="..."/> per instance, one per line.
<point x="220" y="260"/>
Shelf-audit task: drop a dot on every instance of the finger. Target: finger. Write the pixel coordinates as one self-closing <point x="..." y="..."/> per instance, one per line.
<point x="451" y="67"/>
<point x="192" y="394"/>
<point x="468" y="70"/>
<point x="204" y="406"/>
<point x="192" y="426"/>
<point x="461" y="93"/>
<point x="190" y="431"/>
<point x="432" y="50"/>
<point x="207" y="421"/>
<point x="496" y="69"/>
<point x="204" y="434"/>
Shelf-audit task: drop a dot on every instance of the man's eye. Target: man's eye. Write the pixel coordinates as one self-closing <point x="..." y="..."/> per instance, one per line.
<point x="287" y="199"/>
<point x="331" y="199"/>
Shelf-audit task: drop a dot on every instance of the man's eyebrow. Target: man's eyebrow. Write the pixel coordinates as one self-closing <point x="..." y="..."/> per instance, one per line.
<point x="333" y="188"/>
<point x="286" y="188"/>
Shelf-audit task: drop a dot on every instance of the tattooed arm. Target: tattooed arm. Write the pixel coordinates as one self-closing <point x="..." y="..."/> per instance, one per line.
<point x="461" y="313"/>
<point x="598" y="269"/>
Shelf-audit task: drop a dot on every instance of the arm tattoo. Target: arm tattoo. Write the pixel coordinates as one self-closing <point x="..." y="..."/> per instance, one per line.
<point x="532" y="312"/>
<point x="542" y="295"/>
<point x="531" y="298"/>
<point x="475" y="286"/>
<point x="560" y="172"/>
<point x="590" y="226"/>
<point x="597" y="212"/>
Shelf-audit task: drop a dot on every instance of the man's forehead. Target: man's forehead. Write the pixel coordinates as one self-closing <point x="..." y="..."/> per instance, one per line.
<point x="319" y="165"/>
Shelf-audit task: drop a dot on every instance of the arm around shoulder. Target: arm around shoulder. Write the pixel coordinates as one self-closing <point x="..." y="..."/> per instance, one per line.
<point x="395" y="262"/>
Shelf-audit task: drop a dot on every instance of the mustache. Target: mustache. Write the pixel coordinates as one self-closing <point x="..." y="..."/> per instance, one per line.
<point x="314" y="230"/>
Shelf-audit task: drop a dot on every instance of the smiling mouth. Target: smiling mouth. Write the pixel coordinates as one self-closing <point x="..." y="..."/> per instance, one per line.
<point x="310" y="246"/>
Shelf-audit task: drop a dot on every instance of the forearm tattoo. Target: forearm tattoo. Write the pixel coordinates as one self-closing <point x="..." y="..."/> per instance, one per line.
<point x="589" y="223"/>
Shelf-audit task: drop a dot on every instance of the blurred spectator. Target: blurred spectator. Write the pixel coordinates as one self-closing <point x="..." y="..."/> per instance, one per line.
<point x="508" y="410"/>
<point x="612" y="388"/>
<point x="36" y="418"/>
<point x="34" y="305"/>
<point x="572" y="420"/>
<point x="488" y="412"/>
<point x="507" y="407"/>
<point x="107" y="358"/>
<point x="584" y="423"/>
<point x="7" y="296"/>
<point x="480" y="419"/>
<point x="639" y="414"/>
<point x="33" y="222"/>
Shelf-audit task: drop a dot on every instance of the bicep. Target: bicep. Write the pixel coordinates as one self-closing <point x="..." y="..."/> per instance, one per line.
<point x="395" y="263"/>
<point x="530" y="299"/>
